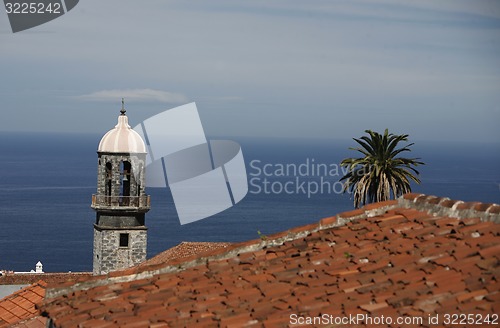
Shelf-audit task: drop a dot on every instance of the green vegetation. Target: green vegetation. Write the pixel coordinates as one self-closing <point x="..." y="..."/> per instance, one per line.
<point x="380" y="173"/>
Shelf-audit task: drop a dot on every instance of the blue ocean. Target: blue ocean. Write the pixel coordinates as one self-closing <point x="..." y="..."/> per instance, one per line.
<point x="46" y="183"/>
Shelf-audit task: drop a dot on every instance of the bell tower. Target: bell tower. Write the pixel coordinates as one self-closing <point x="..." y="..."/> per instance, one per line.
<point x="120" y="233"/>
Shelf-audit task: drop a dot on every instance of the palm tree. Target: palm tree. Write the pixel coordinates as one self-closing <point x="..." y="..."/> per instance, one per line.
<point x="379" y="173"/>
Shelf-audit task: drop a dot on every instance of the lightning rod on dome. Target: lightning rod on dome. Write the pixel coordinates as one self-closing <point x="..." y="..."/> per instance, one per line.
<point x="123" y="111"/>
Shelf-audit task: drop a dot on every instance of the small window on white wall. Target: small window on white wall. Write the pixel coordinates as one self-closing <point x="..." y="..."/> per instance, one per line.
<point x="124" y="239"/>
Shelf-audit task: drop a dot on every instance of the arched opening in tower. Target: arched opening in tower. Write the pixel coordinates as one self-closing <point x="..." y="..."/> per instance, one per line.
<point x="107" y="187"/>
<point x="125" y="176"/>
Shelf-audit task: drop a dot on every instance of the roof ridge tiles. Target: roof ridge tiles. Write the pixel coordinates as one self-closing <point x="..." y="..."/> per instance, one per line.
<point x="444" y="206"/>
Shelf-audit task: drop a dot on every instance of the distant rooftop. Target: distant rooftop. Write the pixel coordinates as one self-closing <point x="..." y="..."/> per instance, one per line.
<point x="50" y="278"/>
<point x="184" y="250"/>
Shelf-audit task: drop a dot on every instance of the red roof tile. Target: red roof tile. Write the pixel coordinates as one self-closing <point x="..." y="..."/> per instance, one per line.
<point x="19" y="307"/>
<point x="35" y="322"/>
<point x="183" y="250"/>
<point x="408" y="257"/>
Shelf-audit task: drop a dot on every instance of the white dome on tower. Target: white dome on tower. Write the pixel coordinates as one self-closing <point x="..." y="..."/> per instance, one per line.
<point x="122" y="138"/>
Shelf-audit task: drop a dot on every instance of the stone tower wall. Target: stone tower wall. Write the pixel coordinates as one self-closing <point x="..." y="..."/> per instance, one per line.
<point x="119" y="215"/>
<point x="109" y="256"/>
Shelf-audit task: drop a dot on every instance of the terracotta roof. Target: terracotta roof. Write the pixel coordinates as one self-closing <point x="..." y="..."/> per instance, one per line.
<point x="50" y="278"/>
<point x="36" y="322"/>
<point x="19" y="307"/>
<point x="183" y="250"/>
<point x="412" y="258"/>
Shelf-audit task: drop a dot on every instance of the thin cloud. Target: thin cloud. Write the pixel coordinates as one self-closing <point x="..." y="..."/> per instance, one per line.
<point x="228" y="98"/>
<point x="136" y="94"/>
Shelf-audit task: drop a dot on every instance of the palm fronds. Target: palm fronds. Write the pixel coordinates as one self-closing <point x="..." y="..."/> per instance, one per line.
<point x="380" y="173"/>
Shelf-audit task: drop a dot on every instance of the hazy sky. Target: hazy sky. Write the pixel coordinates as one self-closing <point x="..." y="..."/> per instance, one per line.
<point x="308" y="68"/>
